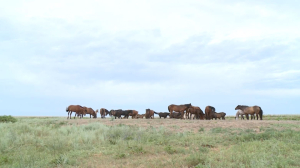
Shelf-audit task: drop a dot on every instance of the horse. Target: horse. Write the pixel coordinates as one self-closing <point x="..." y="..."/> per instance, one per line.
<point x="219" y="115"/>
<point x="90" y="111"/>
<point x="162" y="114"/>
<point x="251" y="110"/>
<point x="134" y="114"/>
<point x="79" y="110"/>
<point x="198" y="113"/>
<point x="209" y="110"/>
<point x="178" y="108"/>
<point x="119" y="113"/>
<point x="149" y="114"/>
<point x="176" y="115"/>
<point x="240" y="112"/>
<point x="140" y="116"/>
<point x="104" y="112"/>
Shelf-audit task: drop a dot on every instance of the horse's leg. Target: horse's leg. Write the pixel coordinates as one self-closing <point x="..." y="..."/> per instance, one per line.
<point x="247" y="116"/>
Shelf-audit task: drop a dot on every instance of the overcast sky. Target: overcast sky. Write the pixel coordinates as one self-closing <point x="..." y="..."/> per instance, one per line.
<point x="139" y="54"/>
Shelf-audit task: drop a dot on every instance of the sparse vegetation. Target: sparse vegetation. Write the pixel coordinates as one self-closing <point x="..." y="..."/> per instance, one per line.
<point x="57" y="142"/>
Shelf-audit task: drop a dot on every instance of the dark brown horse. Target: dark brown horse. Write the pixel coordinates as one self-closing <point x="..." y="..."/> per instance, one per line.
<point x="198" y="113"/>
<point x="176" y="115"/>
<point x="219" y="115"/>
<point x="162" y="114"/>
<point x="209" y="110"/>
<point x="79" y="110"/>
<point x="251" y="110"/>
<point x="149" y="114"/>
<point x="104" y="112"/>
<point x="178" y="108"/>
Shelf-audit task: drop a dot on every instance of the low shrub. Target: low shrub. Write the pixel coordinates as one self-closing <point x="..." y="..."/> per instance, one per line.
<point x="7" y="119"/>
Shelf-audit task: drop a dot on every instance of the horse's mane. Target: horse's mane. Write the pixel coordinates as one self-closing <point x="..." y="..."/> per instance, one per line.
<point x="243" y="106"/>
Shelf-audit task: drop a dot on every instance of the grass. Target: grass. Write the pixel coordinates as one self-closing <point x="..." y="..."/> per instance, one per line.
<point x="54" y="142"/>
<point x="272" y="117"/>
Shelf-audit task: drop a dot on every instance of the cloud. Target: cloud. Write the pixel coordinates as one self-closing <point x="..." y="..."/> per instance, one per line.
<point x="149" y="52"/>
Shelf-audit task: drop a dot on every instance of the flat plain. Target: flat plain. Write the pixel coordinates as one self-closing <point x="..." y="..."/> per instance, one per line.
<point x="61" y="142"/>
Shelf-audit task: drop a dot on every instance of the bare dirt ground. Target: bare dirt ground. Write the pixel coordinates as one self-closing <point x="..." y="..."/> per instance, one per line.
<point x="194" y="125"/>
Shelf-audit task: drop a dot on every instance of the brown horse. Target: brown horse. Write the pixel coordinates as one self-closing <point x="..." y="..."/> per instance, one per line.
<point x="251" y="110"/>
<point x="149" y="114"/>
<point x="176" y="115"/>
<point x="79" y="110"/>
<point x="104" y="112"/>
<point x="198" y="113"/>
<point x="219" y="115"/>
<point x="134" y="114"/>
<point x="178" y="108"/>
<point x="209" y="110"/>
<point x="91" y="112"/>
<point x="140" y="116"/>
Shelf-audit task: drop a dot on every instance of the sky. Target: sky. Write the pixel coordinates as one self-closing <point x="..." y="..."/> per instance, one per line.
<point x="139" y="54"/>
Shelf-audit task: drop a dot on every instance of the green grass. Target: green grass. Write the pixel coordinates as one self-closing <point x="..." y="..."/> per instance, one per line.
<point x="53" y="142"/>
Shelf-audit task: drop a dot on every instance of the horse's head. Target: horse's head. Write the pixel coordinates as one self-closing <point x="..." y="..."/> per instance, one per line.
<point x="106" y="112"/>
<point x="112" y="112"/>
<point x="238" y="107"/>
<point x="188" y="105"/>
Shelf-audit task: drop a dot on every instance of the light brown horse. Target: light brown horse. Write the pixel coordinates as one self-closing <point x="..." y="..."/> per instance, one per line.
<point x="79" y="110"/>
<point x="251" y="110"/>
<point x="209" y="110"/>
<point x="178" y="108"/>
<point x="91" y="112"/>
<point x="149" y="114"/>
<point x="198" y="113"/>
<point x="140" y="116"/>
<point x="134" y="114"/>
<point x="219" y="115"/>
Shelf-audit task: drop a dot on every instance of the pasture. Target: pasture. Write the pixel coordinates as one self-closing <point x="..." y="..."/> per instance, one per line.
<point x="58" y="142"/>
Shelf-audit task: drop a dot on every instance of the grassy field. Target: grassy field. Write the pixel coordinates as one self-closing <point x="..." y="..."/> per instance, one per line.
<point x="58" y="142"/>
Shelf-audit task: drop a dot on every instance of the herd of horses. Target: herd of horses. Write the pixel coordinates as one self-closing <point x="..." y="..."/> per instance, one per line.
<point x="175" y="111"/>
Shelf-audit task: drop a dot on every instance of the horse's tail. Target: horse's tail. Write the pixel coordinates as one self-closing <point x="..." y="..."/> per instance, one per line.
<point x="169" y="109"/>
<point x="67" y="109"/>
<point x="155" y="112"/>
<point x="261" y="113"/>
